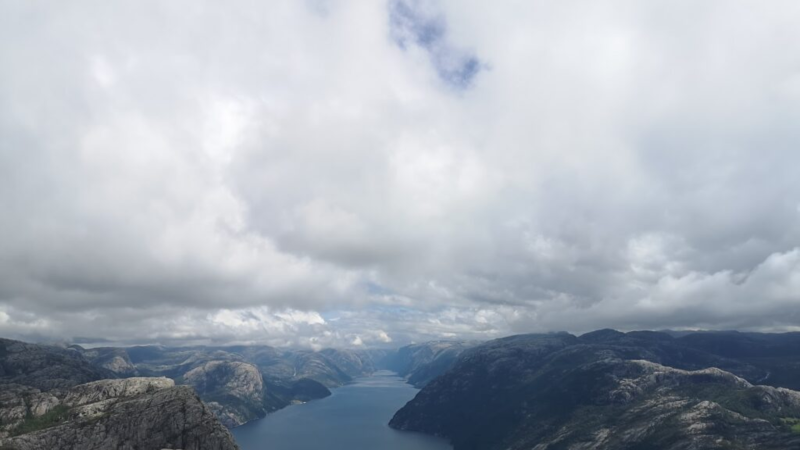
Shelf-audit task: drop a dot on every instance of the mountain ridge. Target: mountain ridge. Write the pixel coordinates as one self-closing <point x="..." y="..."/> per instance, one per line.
<point x="601" y="390"/>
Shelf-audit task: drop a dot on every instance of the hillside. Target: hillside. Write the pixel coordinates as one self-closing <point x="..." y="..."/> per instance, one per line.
<point x="606" y="390"/>
<point x="52" y="397"/>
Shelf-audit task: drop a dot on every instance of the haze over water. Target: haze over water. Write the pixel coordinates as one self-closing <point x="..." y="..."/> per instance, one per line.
<point x="354" y="417"/>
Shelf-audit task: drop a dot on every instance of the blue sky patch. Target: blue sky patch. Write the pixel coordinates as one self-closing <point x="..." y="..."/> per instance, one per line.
<point x="415" y="22"/>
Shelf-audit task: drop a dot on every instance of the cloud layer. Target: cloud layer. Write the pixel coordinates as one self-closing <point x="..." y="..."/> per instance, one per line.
<point x="348" y="173"/>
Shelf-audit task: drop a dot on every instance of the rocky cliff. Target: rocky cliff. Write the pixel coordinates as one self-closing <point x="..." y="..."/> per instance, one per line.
<point x="45" y="402"/>
<point x="135" y="413"/>
<point x="233" y="390"/>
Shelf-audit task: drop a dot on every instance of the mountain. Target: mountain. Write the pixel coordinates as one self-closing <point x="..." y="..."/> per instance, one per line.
<point x="330" y="367"/>
<point x="233" y="390"/>
<point x="421" y="363"/>
<point x="602" y="391"/>
<point x="116" y="360"/>
<point x="354" y="363"/>
<point x="241" y="383"/>
<point x="776" y="355"/>
<point x="45" y="367"/>
<point x="52" y="397"/>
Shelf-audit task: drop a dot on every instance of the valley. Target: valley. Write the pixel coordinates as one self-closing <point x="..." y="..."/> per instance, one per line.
<point x="604" y="390"/>
<point x="355" y="416"/>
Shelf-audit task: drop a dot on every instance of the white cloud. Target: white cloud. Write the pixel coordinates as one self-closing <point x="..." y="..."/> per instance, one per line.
<point x="195" y="171"/>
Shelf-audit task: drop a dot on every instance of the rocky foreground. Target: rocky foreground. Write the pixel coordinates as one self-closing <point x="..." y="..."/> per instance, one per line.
<point x="46" y="403"/>
<point x="134" y="413"/>
<point x="602" y="391"/>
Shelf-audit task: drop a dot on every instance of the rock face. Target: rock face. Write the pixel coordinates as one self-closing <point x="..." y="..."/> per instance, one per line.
<point x="100" y="391"/>
<point x="137" y="413"/>
<point x="46" y="402"/>
<point x="18" y="402"/>
<point x="233" y="390"/>
<point x="605" y="392"/>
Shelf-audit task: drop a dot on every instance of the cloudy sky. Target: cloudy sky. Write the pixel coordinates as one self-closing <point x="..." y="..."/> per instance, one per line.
<point x="363" y="173"/>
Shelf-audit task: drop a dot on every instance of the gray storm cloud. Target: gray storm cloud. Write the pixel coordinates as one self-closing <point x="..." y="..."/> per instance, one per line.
<point x="374" y="173"/>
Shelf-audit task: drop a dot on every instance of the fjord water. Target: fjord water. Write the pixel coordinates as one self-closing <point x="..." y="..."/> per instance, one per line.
<point x="354" y="417"/>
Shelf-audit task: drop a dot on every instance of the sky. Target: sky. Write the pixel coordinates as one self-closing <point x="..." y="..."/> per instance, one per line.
<point x="373" y="173"/>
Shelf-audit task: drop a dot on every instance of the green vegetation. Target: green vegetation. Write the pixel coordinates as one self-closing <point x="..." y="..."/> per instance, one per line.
<point x="49" y="419"/>
<point x="792" y="423"/>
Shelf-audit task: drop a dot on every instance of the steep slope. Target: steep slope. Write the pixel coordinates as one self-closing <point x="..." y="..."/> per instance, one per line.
<point x="245" y="382"/>
<point x="318" y="367"/>
<point x="562" y="392"/>
<point x="146" y="413"/>
<point x="233" y="390"/>
<point x="421" y="363"/>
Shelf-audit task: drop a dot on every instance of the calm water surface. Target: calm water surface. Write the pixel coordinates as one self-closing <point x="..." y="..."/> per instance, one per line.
<point x="353" y="418"/>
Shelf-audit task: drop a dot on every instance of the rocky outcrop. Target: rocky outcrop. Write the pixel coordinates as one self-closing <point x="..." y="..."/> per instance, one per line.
<point x="100" y="391"/>
<point x="19" y="402"/>
<point x="233" y="390"/>
<point x="548" y="392"/>
<point x="136" y="413"/>
<point x="55" y="398"/>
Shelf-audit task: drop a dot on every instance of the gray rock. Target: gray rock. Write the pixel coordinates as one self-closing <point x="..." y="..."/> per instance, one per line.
<point x="127" y="415"/>
<point x="234" y="390"/>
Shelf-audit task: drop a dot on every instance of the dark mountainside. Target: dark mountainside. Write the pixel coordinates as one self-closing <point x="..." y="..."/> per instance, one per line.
<point x="421" y="363"/>
<point x="612" y="390"/>
<point x="54" y="398"/>
<point x="776" y="355"/>
<point x="45" y="367"/>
